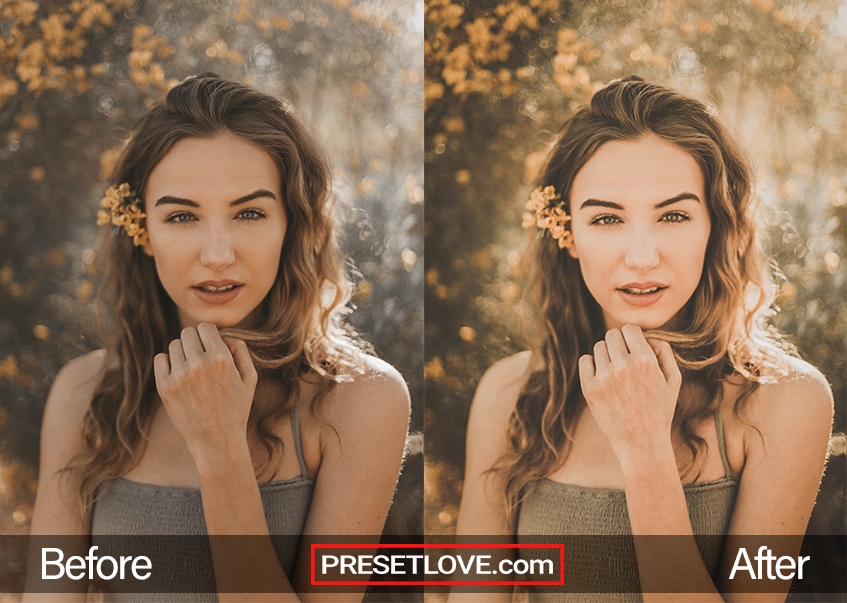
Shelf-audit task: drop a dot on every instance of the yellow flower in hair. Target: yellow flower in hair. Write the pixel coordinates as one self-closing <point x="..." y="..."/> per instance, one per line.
<point x="140" y="239"/>
<point x="103" y="217"/>
<point x="546" y="211"/>
<point x="122" y="209"/>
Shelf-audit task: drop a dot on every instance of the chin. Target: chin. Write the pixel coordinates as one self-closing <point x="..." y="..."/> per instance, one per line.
<point x="647" y="323"/>
<point x="222" y="322"/>
<point x="243" y="317"/>
<point x="227" y="324"/>
<point x="652" y="323"/>
<point x="663" y="323"/>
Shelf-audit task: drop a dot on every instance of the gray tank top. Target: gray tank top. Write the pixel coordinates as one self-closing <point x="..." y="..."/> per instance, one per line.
<point x="593" y="523"/>
<point x="126" y="511"/>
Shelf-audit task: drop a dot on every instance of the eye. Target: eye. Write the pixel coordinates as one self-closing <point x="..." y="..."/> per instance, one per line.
<point x="676" y="217"/>
<point x="252" y="215"/>
<point x="605" y="220"/>
<point x="180" y="217"/>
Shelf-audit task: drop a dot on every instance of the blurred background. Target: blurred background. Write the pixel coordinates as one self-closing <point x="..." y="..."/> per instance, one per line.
<point x="75" y="77"/>
<point x="500" y="79"/>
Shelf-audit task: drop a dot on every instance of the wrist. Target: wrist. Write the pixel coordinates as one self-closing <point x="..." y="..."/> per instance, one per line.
<point x="217" y="459"/>
<point x="647" y="460"/>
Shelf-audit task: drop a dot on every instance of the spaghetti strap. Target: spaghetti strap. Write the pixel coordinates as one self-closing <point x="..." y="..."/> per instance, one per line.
<point x="298" y="448"/>
<point x="722" y="444"/>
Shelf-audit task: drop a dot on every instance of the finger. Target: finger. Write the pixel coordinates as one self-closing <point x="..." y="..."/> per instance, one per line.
<point x="616" y="345"/>
<point x="635" y="341"/>
<point x="176" y="354"/>
<point x="586" y="370"/>
<point x="191" y="344"/>
<point x="241" y="356"/>
<point x="161" y="370"/>
<point x="210" y="337"/>
<point x="667" y="361"/>
<point x="601" y="357"/>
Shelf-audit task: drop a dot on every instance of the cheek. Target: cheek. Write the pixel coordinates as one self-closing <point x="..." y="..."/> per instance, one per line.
<point x="270" y="261"/>
<point x="598" y="271"/>
<point x="691" y="266"/>
<point x="172" y="254"/>
<point x="698" y="253"/>
<point x="598" y="257"/>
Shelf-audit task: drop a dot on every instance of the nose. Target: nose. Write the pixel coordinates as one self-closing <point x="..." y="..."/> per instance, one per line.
<point x="642" y="252"/>
<point x="218" y="250"/>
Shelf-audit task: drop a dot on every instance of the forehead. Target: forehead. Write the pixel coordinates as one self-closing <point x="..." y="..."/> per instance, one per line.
<point x="226" y="166"/>
<point x="645" y="170"/>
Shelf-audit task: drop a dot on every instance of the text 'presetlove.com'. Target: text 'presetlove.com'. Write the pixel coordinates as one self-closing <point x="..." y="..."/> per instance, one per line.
<point x="438" y="565"/>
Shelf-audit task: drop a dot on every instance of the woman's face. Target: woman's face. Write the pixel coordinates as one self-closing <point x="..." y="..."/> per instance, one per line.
<point x="640" y="228"/>
<point x="216" y="223"/>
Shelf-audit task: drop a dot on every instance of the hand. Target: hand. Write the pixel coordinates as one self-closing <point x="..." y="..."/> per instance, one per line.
<point x="206" y="383"/>
<point x="631" y="385"/>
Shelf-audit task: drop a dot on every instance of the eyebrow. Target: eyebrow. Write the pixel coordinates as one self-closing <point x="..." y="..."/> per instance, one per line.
<point x="618" y="206"/>
<point x="258" y="193"/>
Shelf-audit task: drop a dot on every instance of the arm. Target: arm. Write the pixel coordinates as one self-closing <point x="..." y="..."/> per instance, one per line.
<point x="207" y="386"/>
<point x="56" y="511"/>
<point x="784" y="463"/>
<point x="482" y="511"/>
<point x="363" y="435"/>
<point x="630" y="385"/>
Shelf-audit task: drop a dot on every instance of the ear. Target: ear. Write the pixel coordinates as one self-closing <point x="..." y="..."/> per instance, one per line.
<point x="148" y="249"/>
<point x="572" y="250"/>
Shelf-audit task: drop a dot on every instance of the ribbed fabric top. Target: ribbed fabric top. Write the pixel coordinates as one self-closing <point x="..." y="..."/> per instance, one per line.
<point x="593" y="523"/>
<point x="131" y="509"/>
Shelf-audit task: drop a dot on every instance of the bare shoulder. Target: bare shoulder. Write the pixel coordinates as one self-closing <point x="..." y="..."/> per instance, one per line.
<point x="57" y="506"/>
<point x="61" y="427"/>
<point x="492" y="406"/>
<point x="784" y="427"/>
<point x="73" y="389"/>
<point x="802" y="395"/>
<point x="376" y="399"/>
<point x="483" y="510"/>
<point x="795" y="410"/>
<point x="500" y="386"/>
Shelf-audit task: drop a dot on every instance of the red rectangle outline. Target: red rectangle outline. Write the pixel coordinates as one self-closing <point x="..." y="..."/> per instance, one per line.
<point x="560" y="582"/>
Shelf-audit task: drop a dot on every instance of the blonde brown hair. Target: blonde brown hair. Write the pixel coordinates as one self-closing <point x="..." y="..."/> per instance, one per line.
<point x="721" y="331"/>
<point x="299" y="330"/>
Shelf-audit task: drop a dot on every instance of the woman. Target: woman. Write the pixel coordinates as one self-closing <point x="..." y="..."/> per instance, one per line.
<point x="658" y="402"/>
<point x="229" y="400"/>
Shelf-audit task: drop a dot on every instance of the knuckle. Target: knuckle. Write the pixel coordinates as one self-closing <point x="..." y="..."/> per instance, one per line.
<point x="191" y="370"/>
<point x="641" y="361"/>
<point x="219" y="361"/>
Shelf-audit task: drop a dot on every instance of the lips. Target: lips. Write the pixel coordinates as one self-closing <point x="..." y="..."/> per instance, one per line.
<point x="641" y="294"/>
<point x="217" y="292"/>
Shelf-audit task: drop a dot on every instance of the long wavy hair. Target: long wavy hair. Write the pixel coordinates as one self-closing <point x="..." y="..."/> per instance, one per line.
<point x="300" y="329"/>
<point x="721" y="332"/>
